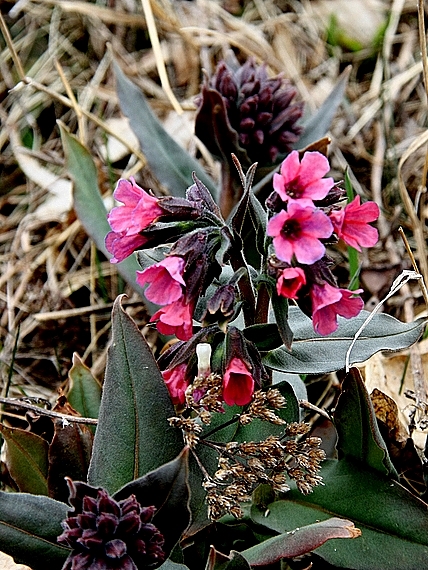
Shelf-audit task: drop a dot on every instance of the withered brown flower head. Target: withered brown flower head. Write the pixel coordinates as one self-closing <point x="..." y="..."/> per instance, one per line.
<point x="109" y="534"/>
<point x="259" y="108"/>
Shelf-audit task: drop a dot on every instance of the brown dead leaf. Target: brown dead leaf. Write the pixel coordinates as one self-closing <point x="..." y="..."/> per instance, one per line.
<point x="8" y="563"/>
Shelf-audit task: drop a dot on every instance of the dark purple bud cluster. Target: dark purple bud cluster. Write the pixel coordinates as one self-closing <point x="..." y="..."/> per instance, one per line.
<point x="259" y="109"/>
<point x="108" y="534"/>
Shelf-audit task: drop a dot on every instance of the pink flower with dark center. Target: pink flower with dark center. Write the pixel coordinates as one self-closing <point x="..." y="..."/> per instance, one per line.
<point x="165" y="280"/>
<point x="175" y="380"/>
<point x="290" y="281"/>
<point x="303" y="180"/>
<point x="352" y="223"/>
<point x="297" y="231"/>
<point x="175" y="319"/>
<point x="238" y="383"/>
<point x="122" y="246"/>
<point x="139" y="209"/>
<point x="328" y="302"/>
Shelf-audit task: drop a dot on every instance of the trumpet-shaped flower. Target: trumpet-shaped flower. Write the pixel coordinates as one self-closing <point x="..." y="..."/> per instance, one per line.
<point x="175" y="380"/>
<point x="138" y="211"/>
<point x="165" y="280"/>
<point x="303" y="180"/>
<point x="290" y="280"/>
<point x="352" y="223"/>
<point x="297" y="231"/>
<point x="238" y="383"/>
<point x="328" y="302"/>
<point x="175" y="318"/>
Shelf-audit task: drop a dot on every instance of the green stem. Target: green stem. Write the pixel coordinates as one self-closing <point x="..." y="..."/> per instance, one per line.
<point x="246" y="289"/>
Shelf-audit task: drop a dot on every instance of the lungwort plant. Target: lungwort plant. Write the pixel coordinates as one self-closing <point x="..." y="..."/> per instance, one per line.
<point x="201" y="458"/>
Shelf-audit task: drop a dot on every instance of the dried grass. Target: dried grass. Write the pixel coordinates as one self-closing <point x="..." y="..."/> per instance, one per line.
<point x="55" y="289"/>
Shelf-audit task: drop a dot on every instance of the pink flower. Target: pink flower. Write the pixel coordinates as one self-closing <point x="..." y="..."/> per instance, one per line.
<point x="175" y="318"/>
<point x="238" y="383"/>
<point x="290" y="281"/>
<point x="352" y="223"/>
<point x="165" y="280"/>
<point x="303" y="180"/>
<point x="297" y="230"/>
<point x="127" y="221"/>
<point x="121" y="246"/>
<point x="139" y="209"/>
<point x="175" y="380"/>
<point x="328" y="302"/>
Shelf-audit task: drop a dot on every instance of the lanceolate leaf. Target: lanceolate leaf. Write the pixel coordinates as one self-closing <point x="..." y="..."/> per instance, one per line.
<point x="393" y="522"/>
<point x="133" y="435"/>
<point x="358" y="434"/>
<point x="299" y="541"/>
<point x="27" y="459"/>
<point x="85" y="390"/>
<point x="88" y="203"/>
<point x="167" y="489"/>
<point x="29" y="526"/>
<point x="313" y="354"/>
<point x="169" y="162"/>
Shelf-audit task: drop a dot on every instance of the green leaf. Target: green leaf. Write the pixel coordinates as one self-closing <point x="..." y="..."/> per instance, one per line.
<point x="26" y="459"/>
<point x="319" y="124"/>
<point x="264" y="336"/>
<point x="169" y="565"/>
<point x="133" y="435"/>
<point x="167" y="489"/>
<point x="69" y="456"/>
<point x="29" y="526"/>
<point x="299" y="541"/>
<point x="358" y="434"/>
<point x="169" y="162"/>
<point x="85" y="390"/>
<point x="314" y="354"/>
<point x="89" y="205"/>
<point x="280" y="309"/>
<point x="392" y="520"/>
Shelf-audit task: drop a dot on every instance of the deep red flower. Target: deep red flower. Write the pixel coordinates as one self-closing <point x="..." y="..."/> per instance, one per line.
<point x="290" y="281"/>
<point x="352" y="223"/>
<point x="175" y="319"/>
<point x="165" y="280"/>
<point x="328" y="302"/>
<point x="297" y="231"/>
<point x="238" y="383"/>
<point x="175" y="380"/>
<point x="303" y="180"/>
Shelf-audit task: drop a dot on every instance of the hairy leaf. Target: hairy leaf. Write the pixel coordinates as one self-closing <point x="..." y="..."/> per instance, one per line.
<point x="29" y="526"/>
<point x="26" y="459"/>
<point x="169" y="162"/>
<point x="313" y="354"/>
<point x="133" y="435"/>
<point x="85" y="390"/>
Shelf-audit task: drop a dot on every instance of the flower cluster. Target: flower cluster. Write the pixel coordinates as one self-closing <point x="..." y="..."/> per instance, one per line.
<point x="304" y="218"/>
<point x="243" y="466"/>
<point x="105" y="533"/>
<point x="257" y="109"/>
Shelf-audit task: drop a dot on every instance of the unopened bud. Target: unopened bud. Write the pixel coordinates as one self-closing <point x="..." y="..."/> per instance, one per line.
<point x="203" y="352"/>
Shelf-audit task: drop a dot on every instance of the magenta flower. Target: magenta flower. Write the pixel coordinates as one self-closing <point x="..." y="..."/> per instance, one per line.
<point x="121" y="246"/>
<point x="175" y="319"/>
<point x="297" y="231"/>
<point x="328" y="302"/>
<point x="290" y="281"/>
<point x="303" y="180"/>
<point x="352" y="223"/>
<point x="165" y="280"/>
<point x="238" y="383"/>
<point x="175" y="380"/>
